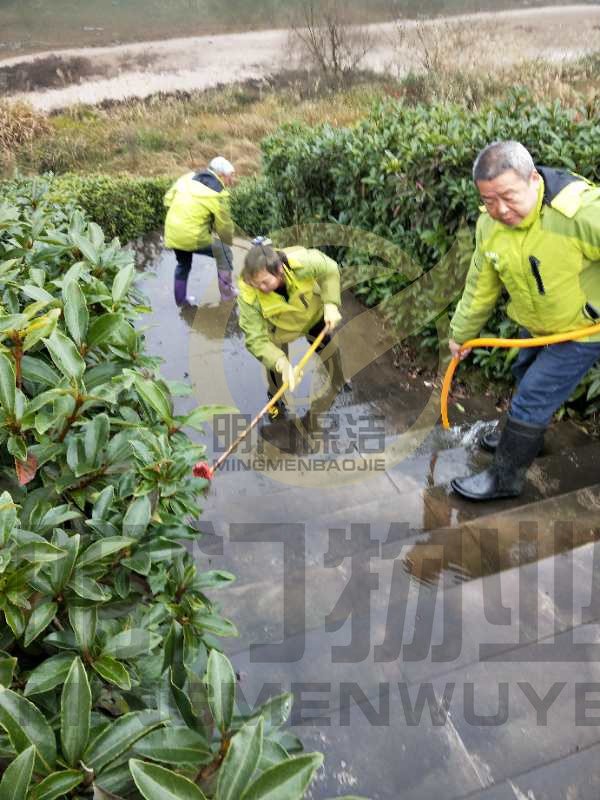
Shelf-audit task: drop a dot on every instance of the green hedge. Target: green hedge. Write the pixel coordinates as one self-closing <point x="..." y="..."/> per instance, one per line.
<point x="403" y="173"/>
<point x="122" y="206"/>
<point x="110" y="643"/>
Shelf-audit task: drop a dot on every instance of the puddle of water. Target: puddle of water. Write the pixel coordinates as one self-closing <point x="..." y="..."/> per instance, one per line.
<point x="451" y="556"/>
<point x="205" y="346"/>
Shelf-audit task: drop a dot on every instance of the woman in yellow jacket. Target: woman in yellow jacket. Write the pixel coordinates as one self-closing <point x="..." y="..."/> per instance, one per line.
<point x="286" y="294"/>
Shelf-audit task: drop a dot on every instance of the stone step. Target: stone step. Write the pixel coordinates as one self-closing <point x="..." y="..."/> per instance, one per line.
<point x="430" y="516"/>
<point x="574" y="777"/>
<point x="305" y="587"/>
<point x="446" y="639"/>
<point x="415" y="491"/>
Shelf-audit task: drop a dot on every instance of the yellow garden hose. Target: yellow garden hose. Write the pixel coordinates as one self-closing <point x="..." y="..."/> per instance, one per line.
<point x="489" y="341"/>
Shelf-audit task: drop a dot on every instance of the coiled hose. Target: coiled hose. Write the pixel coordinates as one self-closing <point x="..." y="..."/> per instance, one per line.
<point x="490" y="341"/>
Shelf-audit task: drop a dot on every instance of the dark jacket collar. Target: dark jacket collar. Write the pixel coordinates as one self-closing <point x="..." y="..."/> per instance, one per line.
<point x="209" y="179"/>
<point x="555" y="180"/>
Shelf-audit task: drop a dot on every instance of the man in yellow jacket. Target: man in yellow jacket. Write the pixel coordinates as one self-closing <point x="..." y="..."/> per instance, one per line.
<point x="286" y="294"/>
<point x="538" y="239"/>
<point x="198" y="206"/>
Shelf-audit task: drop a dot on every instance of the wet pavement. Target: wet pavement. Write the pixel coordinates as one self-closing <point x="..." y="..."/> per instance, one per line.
<point x="369" y="589"/>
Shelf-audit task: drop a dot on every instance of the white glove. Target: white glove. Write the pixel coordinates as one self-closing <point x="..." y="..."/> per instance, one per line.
<point x="283" y="366"/>
<point x="331" y="315"/>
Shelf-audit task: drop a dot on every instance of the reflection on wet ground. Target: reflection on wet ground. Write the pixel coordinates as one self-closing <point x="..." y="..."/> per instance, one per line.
<point x="400" y="471"/>
<point x="356" y="567"/>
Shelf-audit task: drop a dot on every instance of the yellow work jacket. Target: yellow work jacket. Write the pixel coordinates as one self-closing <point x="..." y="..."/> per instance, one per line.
<point x="549" y="264"/>
<point x="268" y="320"/>
<point x="197" y="204"/>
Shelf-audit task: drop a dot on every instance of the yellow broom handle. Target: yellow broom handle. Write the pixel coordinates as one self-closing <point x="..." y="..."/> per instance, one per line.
<point x="277" y="396"/>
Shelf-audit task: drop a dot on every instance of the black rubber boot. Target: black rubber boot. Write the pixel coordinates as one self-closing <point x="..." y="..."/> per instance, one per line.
<point x="519" y="444"/>
<point x="490" y="440"/>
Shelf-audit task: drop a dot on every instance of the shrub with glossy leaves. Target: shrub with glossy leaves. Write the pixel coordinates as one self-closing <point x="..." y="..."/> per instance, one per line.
<point x="112" y="682"/>
<point x="121" y="205"/>
<point x="404" y="173"/>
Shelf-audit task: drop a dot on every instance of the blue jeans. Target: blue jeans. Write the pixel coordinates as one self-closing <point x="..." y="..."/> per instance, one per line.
<point x="547" y="376"/>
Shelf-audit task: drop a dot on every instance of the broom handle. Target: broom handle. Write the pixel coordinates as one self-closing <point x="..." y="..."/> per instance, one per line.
<point x="278" y="394"/>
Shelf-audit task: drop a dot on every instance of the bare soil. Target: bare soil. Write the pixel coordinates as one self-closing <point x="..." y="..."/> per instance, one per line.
<point x="55" y="80"/>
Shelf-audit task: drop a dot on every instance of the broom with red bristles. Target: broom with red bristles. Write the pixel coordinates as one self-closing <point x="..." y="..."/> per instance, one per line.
<point x="202" y="469"/>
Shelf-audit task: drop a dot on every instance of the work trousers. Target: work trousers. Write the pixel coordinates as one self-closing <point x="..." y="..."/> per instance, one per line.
<point x="219" y="251"/>
<point x="547" y="376"/>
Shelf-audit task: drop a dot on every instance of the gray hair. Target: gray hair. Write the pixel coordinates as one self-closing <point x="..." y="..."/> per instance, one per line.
<point x="499" y="157"/>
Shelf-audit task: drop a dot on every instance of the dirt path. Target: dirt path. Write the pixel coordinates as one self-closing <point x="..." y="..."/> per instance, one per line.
<point x="64" y="78"/>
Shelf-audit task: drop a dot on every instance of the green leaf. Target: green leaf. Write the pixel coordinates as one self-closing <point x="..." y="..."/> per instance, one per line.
<point x="41" y="327"/>
<point x="214" y="579"/>
<point x="153" y="395"/>
<point x="75" y="711"/>
<point x="7" y="668"/>
<point x="17" y="447"/>
<point x="159" y="783"/>
<point x="62" y="640"/>
<point x="59" y="572"/>
<point x="27" y="726"/>
<point x="286" y="781"/>
<point x="122" y="282"/>
<point x="175" y="746"/>
<point x="8" y="386"/>
<point x="112" y="671"/>
<point x="102" y="329"/>
<point x="275" y="711"/>
<point x="37" y="370"/>
<point x="272" y="754"/>
<point x="83" y="620"/>
<point x="102" y="549"/>
<point x="76" y="456"/>
<point x="88" y="589"/>
<point x="131" y="643"/>
<point x="57" y="785"/>
<point x="220" y="679"/>
<point x="12" y="322"/>
<point x="137" y="517"/>
<point x="17" y="776"/>
<point x="96" y="438"/>
<point x="184" y="706"/>
<point x="45" y="398"/>
<point x="8" y="517"/>
<point x="51" y="673"/>
<point x="115" y="740"/>
<point x="42" y="616"/>
<point x="202" y="414"/>
<point x="56" y="516"/>
<point x="75" y="310"/>
<point x="37" y="293"/>
<point x="15" y="619"/>
<point x="213" y="623"/>
<point x="241" y="761"/>
<point x="39" y="552"/>
<point x="103" y="503"/>
<point x="140" y="563"/>
<point x="85" y="247"/>
<point x="65" y="355"/>
<point x="103" y="794"/>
